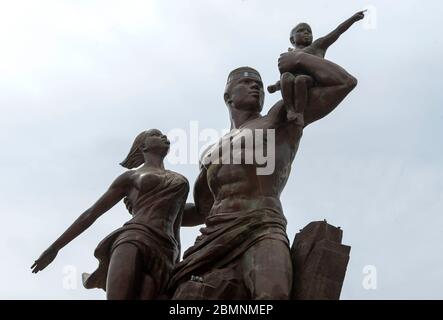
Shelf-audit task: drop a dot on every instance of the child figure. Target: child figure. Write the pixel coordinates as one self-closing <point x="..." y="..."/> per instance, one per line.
<point x="295" y="96"/>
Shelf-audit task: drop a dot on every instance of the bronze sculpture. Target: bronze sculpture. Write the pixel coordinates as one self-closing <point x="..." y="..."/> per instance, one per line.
<point x="295" y="95"/>
<point x="135" y="261"/>
<point x="243" y="252"/>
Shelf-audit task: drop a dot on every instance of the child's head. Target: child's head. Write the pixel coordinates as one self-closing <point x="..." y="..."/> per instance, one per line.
<point x="301" y="34"/>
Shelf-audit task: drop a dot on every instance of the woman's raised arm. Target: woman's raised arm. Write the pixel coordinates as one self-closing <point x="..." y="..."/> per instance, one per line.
<point x="117" y="191"/>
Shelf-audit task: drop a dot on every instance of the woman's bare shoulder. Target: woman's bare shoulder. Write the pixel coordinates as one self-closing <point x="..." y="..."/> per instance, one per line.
<point x="125" y="178"/>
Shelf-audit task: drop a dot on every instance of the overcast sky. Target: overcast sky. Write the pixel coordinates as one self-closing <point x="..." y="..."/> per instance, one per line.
<point x="80" y="79"/>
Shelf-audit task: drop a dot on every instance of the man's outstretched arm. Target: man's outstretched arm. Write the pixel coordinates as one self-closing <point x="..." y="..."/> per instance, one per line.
<point x="333" y="82"/>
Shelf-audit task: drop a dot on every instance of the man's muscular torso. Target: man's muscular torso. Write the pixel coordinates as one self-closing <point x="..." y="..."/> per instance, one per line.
<point x="238" y="186"/>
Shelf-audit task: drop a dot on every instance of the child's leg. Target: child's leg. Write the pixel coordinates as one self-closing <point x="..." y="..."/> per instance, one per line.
<point x="333" y="83"/>
<point x="275" y="87"/>
<point x="287" y="91"/>
<point x="301" y="84"/>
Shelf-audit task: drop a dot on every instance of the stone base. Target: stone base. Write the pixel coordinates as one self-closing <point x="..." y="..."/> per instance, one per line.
<point x="319" y="261"/>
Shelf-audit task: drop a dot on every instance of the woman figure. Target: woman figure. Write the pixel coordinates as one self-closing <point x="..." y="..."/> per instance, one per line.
<point x="135" y="261"/>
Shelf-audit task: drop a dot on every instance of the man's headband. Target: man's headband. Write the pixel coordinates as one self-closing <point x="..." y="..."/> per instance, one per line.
<point x="243" y="72"/>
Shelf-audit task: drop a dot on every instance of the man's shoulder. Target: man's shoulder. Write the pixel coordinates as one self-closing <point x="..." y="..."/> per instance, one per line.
<point x="276" y="113"/>
<point x="206" y="155"/>
<point x="277" y="118"/>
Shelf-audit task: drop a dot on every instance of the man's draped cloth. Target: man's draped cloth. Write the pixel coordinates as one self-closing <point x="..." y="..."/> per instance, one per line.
<point x="226" y="237"/>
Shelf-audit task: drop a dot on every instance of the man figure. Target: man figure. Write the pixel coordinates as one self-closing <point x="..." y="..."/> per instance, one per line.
<point x="243" y="252"/>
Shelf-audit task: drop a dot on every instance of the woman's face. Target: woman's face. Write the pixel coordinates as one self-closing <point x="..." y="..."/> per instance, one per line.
<point x="157" y="142"/>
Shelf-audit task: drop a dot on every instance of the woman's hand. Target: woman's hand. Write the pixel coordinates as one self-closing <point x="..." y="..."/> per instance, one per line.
<point x="46" y="258"/>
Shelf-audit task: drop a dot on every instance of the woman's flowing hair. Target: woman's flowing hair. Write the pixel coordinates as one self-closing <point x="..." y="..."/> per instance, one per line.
<point x="135" y="157"/>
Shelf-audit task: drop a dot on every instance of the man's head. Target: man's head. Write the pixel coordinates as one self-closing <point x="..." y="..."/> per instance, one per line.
<point x="301" y="35"/>
<point x="244" y="90"/>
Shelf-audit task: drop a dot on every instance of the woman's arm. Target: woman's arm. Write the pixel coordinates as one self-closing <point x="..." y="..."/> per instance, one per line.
<point x="112" y="196"/>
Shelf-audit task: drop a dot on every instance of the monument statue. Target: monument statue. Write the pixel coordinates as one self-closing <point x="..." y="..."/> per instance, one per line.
<point x="136" y="260"/>
<point x="301" y="39"/>
<point x="243" y="251"/>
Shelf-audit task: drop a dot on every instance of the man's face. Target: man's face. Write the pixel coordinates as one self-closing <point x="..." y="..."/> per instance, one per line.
<point x="247" y="94"/>
<point x="302" y="35"/>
